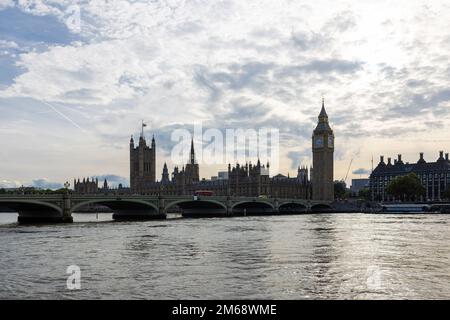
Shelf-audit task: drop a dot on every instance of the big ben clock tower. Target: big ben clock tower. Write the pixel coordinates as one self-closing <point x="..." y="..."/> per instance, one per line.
<point x="323" y="149"/>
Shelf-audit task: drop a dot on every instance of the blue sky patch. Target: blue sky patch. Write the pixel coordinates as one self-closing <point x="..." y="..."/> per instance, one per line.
<point x="28" y="29"/>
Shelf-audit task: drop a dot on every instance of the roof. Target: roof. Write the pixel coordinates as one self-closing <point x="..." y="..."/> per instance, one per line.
<point x="420" y="167"/>
<point x="323" y="125"/>
<point x="323" y="112"/>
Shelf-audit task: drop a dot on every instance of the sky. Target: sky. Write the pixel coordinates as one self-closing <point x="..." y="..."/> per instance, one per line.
<point x="78" y="77"/>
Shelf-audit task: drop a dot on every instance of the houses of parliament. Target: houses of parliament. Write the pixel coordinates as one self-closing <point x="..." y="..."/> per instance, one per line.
<point x="247" y="180"/>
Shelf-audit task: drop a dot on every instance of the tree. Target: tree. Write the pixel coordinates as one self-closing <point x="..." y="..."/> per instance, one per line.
<point x="339" y="190"/>
<point x="60" y="191"/>
<point x="406" y="188"/>
<point x="364" y="193"/>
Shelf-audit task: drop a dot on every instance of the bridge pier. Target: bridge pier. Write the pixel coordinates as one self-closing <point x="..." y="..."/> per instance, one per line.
<point x="66" y="209"/>
<point x="229" y="206"/>
<point x="276" y="206"/>
<point x="162" y="207"/>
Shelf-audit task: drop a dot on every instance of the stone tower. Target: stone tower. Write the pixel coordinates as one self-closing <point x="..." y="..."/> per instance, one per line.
<point x="192" y="172"/>
<point x="323" y="149"/>
<point x="142" y="163"/>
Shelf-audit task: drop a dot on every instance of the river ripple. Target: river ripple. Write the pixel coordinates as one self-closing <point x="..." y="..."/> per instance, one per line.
<point x="322" y="256"/>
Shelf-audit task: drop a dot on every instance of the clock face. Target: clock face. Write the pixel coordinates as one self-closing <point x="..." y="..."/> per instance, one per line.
<point x="318" y="142"/>
<point x="330" y="142"/>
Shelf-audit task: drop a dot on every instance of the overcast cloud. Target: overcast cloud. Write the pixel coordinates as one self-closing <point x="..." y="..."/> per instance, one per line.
<point x="71" y="97"/>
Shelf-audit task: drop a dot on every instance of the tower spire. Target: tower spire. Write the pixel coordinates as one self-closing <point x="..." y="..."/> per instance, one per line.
<point x="192" y="152"/>
<point x="323" y="116"/>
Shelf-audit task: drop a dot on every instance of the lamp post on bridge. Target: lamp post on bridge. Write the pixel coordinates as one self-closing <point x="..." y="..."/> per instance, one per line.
<point x="66" y="187"/>
<point x="66" y="207"/>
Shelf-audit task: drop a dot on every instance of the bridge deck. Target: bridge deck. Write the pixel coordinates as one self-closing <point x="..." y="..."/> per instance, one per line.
<point x="137" y="207"/>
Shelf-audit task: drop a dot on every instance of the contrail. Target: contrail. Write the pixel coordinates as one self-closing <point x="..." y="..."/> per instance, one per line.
<point x="64" y="116"/>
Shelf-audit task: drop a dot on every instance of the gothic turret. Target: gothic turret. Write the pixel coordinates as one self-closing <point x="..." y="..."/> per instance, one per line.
<point x="165" y="175"/>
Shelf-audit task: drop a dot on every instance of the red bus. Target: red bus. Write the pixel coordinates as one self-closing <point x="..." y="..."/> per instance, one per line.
<point x="206" y="193"/>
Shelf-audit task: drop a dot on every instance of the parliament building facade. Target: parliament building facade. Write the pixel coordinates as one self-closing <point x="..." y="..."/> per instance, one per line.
<point x="248" y="180"/>
<point x="435" y="176"/>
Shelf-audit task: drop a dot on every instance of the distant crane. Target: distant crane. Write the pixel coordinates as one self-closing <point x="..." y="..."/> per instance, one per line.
<point x="348" y="169"/>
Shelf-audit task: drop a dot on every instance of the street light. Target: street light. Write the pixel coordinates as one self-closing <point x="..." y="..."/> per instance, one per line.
<point x="66" y="186"/>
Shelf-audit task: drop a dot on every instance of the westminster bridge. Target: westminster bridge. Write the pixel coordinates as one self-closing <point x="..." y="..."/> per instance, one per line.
<point x="59" y="207"/>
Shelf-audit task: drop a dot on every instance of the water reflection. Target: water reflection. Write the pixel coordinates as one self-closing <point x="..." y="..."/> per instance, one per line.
<point x="350" y="256"/>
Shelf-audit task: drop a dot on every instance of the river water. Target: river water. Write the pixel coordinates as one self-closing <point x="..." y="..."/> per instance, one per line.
<point x="321" y="256"/>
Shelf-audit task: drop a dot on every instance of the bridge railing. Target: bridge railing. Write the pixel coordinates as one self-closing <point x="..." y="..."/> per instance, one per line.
<point x="154" y="197"/>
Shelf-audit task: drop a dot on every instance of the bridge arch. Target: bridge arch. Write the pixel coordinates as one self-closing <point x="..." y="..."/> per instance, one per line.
<point x="128" y="209"/>
<point x="292" y="207"/>
<point x="253" y="207"/>
<point x="34" y="211"/>
<point x="321" y="207"/>
<point x="200" y="207"/>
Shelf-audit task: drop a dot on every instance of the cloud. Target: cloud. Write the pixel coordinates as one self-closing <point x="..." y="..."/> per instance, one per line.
<point x="341" y="22"/>
<point x="225" y="64"/>
<point x="416" y="104"/>
<point x="413" y="83"/>
<point x="361" y="171"/>
<point x="299" y="158"/>
<point x="307" y="40"/>
<point x="4" y="44"/>
<point x="235" y="77"/>
<point x="44" y="183"/>
<point x="6" y="4"/>
<point x="9" y="184"/>
<point x="244" y="110"/>
<point x="332" y="65"/>
<point x="113" y="180"/>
